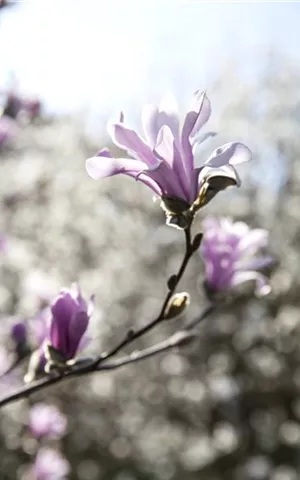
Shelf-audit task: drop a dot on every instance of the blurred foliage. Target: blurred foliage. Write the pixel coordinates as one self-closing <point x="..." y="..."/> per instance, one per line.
<point x="226" y="408"/>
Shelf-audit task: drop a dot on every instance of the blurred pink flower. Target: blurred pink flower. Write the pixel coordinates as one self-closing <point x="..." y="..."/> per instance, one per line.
<point x="50" y="465"/>
<point x="229" y="251"/>
<point x="46" y="421"/>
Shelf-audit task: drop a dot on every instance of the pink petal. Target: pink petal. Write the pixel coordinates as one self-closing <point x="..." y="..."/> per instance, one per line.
<point x="129" y="140"/>
<point x="166" y="148"/>
<point x="77" y="327"/>
<point x="262" y="287"/>
<point x="230" y="153"/>
<point x="254" y="240"/>
<point x="259" y="263"/>
<point x="165" y="145"/>
<point x="194" y="121"/>
<point x="101" y="167"/>
<point x="153" y="119"/>
<point x="197" y="116"/>
<point x="150" y="123"/>
<point x="226" y="171"/>
<point x="168" y="114"/>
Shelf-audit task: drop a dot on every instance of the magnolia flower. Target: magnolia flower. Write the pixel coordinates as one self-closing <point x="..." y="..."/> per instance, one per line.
<point x="59" y="332"/>
<point x="70" y="316"/>
<point x="164" y="161"/>
<point x="46" y="421"/>
<point x="50" y="465"/>
<point x="229" y="251"/>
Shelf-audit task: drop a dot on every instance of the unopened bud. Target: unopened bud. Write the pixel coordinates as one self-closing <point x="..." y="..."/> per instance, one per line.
<point x="172" y="281"/>
<point x="197" y="241"/>
<point x="176" y="305"/>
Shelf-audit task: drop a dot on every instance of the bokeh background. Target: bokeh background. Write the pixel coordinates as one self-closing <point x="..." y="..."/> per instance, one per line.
<point x="227" y="408"/>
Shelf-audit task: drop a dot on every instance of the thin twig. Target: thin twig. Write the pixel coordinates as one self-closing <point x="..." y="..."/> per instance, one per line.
<point x="86" y="366"/>
<point x="134" y="334"/>
<point x="178" y="339"/>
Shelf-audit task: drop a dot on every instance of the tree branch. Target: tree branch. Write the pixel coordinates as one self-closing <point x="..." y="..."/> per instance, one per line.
<point x="85" y="366"/>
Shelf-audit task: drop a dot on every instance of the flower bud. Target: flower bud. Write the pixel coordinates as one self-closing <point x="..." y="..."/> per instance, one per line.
<point x="197" y="241"/>
<point x="172" y="281"/>
<point x="176" y="305"/>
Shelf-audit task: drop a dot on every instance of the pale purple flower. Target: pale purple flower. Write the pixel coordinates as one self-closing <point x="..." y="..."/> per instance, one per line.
<point x="46" y="421"/>
<point x="164" y="160"/>
<point x="63" y="327"/>
<point x="50" y="465"/>
<point x="70" y="316"/>
<point x="229" y="251"/>
<point x="18" y="333"/>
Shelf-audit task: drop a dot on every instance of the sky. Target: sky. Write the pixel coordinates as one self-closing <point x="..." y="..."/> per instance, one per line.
<point x="104" y="56"/>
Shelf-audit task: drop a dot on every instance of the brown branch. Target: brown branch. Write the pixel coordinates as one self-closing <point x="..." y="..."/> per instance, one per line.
<point x="86" y="366"/>
<point x="178" y="339"/>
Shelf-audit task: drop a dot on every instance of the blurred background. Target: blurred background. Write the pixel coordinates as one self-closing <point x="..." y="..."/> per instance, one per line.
<point x="228" y="407"/>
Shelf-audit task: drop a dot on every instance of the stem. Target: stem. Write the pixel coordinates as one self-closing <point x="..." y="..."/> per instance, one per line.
<point x="133" y="335"/>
